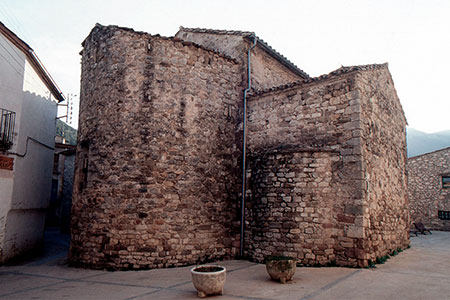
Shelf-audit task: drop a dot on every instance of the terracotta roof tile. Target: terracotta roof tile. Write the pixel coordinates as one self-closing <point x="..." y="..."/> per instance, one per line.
<point x="217" y="31"/>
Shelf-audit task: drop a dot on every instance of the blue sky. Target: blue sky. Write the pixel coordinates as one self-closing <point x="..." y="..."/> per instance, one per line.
<point x="319" y="36"/>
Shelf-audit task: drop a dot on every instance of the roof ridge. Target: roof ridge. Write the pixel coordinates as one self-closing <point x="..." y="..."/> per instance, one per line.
<point x="341" y="70"/>
<point x="217" y="31"/>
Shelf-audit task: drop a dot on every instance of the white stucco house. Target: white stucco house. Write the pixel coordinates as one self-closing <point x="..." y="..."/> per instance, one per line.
<point x="28" y="108"/>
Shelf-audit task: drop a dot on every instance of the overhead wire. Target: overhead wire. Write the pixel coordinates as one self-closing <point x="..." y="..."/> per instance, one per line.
<point x="19" y="72"/>
<point x="32" y="76"/>
<point x="18" y="54"/>
<point x="9" y="62"/>
<point x="6" y="12"/>
<point x="15" y="22"/>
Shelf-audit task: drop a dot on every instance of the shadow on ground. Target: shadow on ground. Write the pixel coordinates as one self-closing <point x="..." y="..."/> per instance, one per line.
<point x="55" y="247"/>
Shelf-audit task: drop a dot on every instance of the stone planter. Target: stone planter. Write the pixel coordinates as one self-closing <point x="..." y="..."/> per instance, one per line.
<point x="281" y="268"/>
<point x="208" y="279"/>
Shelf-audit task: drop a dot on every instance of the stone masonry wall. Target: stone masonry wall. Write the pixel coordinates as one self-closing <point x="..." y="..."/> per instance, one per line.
<point x="266" y="70"/>
<point x="231" y="45"/>
<point x="290" y="211"/>
<point x="157" y="172"/>
<point x="322" y="116"/>
<point x="355" y="113"/>
<point x="427" y="195"/>
<point x="315" y="114"/>
<point x="383" y="138"/>
<point x="67" y="189"/>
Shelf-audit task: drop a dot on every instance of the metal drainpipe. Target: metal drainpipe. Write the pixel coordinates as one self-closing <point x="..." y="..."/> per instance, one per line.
<point x="244" y="146"/>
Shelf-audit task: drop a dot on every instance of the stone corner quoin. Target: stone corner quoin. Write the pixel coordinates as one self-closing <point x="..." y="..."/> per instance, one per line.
<point x="158" y="167"/>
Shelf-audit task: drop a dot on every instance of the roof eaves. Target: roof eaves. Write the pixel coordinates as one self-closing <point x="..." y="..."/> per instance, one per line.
<point x="34" y="60"/>
<point x="281" y="58"/>
<point x="428" y="153"/>
<point x="341" y="70"/>
<point x="216" y="31"/>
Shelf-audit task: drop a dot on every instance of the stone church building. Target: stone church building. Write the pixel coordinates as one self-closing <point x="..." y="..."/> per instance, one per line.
<point x="159" y="168"/>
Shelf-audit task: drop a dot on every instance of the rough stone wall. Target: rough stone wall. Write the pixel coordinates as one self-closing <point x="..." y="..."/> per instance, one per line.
<point x="317" y="114"/>
<point x="229" y="44"/>
<point x="158" y="164"/>
<point x="290" y="211"/>
<point x="321" y="116"/>
<point x="266" y="70"/>
<point x="383" y="141"/>
<point x="157" y="171"/>
<point x="426" y="193"/>
<point x="356" y="114"/>
<point x="67" y="189"/>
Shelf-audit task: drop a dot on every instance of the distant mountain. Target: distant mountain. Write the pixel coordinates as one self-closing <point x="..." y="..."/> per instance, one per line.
<point x="419" y="142"/>
<point x="67" y="132"/>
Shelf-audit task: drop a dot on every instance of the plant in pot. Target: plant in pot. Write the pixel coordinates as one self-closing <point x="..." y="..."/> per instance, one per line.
<point x="281" y="268"/>
<point x="208" y="279"/>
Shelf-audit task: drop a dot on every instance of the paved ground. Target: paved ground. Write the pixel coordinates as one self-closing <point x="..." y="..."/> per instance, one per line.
<point x="421" y="272"/>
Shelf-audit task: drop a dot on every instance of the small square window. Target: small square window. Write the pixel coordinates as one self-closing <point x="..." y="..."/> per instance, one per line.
<point x="446" y="182"/>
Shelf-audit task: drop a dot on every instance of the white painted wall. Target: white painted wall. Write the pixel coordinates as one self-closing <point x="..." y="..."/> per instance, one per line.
<point x="12" y="68"/>
<point x="25" y="191"/>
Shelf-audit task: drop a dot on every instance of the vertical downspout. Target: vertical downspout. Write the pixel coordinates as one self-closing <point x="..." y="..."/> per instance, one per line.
<point x="244" y="146"/>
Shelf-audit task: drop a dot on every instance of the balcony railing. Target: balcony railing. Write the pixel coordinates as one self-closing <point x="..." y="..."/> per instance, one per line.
<point x="7" y="121"/>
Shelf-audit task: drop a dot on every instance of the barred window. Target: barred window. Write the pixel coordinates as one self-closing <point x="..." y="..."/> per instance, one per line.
<point x="7" y="121"/>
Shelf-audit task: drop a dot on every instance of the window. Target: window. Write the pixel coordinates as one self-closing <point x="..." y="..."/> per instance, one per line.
<point x="446" y="181"/>
<point x="7" y="120"/>
<point x="443" y="215"/>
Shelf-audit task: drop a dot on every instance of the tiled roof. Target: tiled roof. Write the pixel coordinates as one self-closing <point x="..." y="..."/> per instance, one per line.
<point x="249" y="35"/>
<point x="217" y="31"/>
<point x="341" y="70"/>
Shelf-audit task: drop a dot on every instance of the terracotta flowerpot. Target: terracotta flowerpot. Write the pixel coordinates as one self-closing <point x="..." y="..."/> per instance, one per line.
<point x="281" y="269"/>
<point x="209" y="279"/>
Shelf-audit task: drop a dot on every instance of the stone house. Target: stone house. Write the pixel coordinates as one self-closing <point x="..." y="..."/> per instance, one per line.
<point x="429" y="189"/>
<point x="28" y="107"/>
<point x="160" y="165"/>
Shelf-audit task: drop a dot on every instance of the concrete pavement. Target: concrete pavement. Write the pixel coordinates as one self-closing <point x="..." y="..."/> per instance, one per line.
<point x="421" y="272"/>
